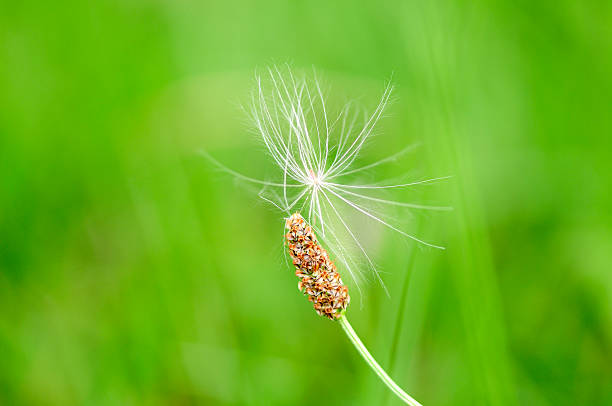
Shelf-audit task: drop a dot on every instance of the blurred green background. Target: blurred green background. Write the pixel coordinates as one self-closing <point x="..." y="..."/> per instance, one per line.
<point x="134" y="273"/>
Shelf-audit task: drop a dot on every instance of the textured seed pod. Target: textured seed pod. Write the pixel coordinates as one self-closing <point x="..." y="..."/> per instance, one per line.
<point x="319" y="280"/>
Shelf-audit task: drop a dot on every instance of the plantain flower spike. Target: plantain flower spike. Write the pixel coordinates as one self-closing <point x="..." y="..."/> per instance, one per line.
<point x="319" y="279"/>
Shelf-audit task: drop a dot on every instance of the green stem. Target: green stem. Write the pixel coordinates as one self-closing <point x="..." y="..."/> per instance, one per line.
<point x="346" y="326"/>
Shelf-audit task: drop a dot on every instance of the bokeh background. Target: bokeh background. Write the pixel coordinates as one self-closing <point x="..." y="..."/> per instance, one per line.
<point x="132" y="272"/>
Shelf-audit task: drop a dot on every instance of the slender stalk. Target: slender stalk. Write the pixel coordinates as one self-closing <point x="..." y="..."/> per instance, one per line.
<point x="346" y="326"/>
<point x="400" y="314"/>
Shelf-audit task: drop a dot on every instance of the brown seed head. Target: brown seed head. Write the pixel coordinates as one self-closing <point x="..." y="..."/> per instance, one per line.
<point x="319" y="280"/>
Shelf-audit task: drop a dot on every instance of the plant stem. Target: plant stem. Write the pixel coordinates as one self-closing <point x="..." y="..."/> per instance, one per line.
<point x="346" y="326"/>
<point x="400" y="314"/>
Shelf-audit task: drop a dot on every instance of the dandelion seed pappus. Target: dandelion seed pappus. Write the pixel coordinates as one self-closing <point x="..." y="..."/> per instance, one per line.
<point x="314" y="149"/>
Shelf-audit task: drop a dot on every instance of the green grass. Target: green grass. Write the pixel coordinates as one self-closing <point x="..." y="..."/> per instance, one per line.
<point x="125" y="274"/>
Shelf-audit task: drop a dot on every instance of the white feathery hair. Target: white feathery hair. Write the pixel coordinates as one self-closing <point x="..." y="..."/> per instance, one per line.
<point x="314" y="150"/>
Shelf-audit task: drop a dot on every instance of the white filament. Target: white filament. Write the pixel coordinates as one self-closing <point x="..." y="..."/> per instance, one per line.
<point x="315" y="153"/>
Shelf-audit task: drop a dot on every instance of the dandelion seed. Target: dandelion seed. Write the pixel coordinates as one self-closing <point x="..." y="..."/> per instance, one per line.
<point x="315" y="150"/>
